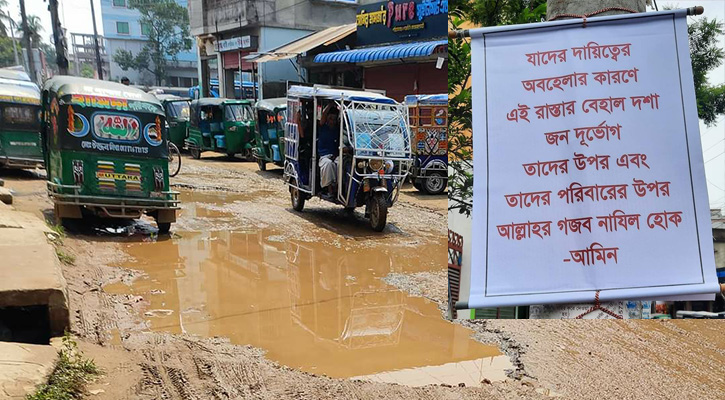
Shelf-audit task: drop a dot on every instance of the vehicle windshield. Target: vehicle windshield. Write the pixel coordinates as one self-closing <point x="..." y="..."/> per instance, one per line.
<point x="282" y="119"/>
<point x="238" y="112"/>
<point x="379" y="130"/>
<point x="19" y="115"/>
<point x="178" y="109"/>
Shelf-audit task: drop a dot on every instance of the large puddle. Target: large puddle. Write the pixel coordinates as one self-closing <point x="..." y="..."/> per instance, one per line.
<point x="317" y="307"/>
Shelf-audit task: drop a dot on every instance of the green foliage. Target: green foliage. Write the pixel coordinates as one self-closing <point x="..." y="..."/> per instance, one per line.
<point x="3" y="15"/>
<point x="65" y="258"/>
<point x="35" y="30"/>
<point x="706" y="56"/>
<point x="168" y="34"/>
<point x="460" y="143"/>
<point x="87" y="71"/>
<point x="7" y="58"/>
<point x="71" y="373"/>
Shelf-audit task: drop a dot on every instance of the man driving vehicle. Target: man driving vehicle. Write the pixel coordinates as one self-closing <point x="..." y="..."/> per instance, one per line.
<point x="328" y="143"/>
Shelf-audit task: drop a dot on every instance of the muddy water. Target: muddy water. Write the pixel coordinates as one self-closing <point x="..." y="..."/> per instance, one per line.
<point x="314" y="306"/>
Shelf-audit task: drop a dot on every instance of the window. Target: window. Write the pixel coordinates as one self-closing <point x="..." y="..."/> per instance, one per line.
<point x="119" y="3"/>
<point x="145" y="29"/>
<point x="122" y="27"/>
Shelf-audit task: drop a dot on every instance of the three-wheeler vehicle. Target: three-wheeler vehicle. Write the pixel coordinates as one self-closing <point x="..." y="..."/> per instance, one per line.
<point x="220" y="125"/>
<point x="373" y="154"/>
<point x="269" y="135"/>
<point x="106" y="151"/>
<point x="20" y="145"/>
<point x="428" y="117"/>
<point x="177" y="117"/>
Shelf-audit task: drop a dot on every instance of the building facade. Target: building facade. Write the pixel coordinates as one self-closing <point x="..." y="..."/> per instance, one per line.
<point x="122" y="30"/>
<point x="227" y="31"/>
<point x="83" y="52"/>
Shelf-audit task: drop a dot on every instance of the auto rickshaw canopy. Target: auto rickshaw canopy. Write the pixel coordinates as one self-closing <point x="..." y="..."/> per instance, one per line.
<point x="338" y="94"/>
<point x="272" y="105"/>
<point x="137" y="100"/>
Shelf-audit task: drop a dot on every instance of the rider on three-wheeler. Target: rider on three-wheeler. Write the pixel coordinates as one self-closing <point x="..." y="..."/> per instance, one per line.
<point x="347" y="146"/>
<point x="221" y="125"/>
<point x="428" y="116"/>
<point x="106" y="151"/>
<point x="20" y="145"/>
<point x="269" y="135"/>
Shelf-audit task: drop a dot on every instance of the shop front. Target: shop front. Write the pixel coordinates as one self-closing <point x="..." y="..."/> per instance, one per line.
<point x="401" y="48"/>
<point x="236" y="76"/>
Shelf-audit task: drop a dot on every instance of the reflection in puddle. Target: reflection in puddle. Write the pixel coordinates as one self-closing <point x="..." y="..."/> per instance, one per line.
<point x="470" y="372"/>
<point x="312" y="306"/>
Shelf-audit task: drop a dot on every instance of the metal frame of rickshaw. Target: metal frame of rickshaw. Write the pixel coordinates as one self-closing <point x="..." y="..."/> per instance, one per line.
<point x="427" y="163"/>
<point x="404" y="164"/>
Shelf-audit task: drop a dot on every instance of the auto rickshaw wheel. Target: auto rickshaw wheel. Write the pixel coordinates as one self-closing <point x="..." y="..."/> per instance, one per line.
<point x="298" y="201"/>
<point x="435" y="183"/>
<point x="195" y="152"/>
<point x="164" y="227"/>
<point x="262" y="164"/>
<point x="378" y="213"/>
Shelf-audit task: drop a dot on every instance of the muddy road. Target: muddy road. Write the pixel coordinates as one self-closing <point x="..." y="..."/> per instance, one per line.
<point x="249" y="299"/>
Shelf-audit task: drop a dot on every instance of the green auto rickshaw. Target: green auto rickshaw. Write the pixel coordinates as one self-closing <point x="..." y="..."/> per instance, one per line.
<point x="220" y="125"/>
<point x="106" y="151"/>
<point x="20" y="145"/>
<point x="177" y="117"/>
<point x="269" y="135"/>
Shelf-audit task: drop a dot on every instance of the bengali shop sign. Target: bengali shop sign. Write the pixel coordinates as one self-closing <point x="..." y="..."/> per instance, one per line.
<point x="588" y="170"/>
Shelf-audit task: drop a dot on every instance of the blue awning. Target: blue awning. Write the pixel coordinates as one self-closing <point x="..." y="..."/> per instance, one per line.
<point x="381" y="53"/>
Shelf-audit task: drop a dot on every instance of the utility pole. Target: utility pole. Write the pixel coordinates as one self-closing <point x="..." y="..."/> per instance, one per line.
<point x="99" y="63"/>
<point x="61" y="51"/>
<point x="26" y="41"/>
<point x="578" y="8"/>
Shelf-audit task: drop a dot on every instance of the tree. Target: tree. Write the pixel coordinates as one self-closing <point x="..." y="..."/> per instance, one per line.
<point x="167" y="28"/>
<point x="7" y="56"/>
<point x="460" y="143"/>
<point x="35" y="30"/>
<point x="706" y="56"/>
<point x="3" y="16"/>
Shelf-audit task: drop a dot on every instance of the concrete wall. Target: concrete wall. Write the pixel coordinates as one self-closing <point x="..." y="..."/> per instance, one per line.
<point x="211" y="16"/>
<point x="271" y="38"/>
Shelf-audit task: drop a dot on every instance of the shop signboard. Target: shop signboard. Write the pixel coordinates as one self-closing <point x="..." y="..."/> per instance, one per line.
<point x="237" y="43"/>
<point x="589" y="174"/>
<point x="401" y="21"/>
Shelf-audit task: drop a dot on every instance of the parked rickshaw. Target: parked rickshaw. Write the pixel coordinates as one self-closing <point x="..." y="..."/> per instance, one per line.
<point x="177" y="117"/>
<point x="428" y="116"/>
<point x="106" y="151"/>
<point x="20" y="145"/>
<point x="373" y="154"/>
<point x="269" y="135"/>
<point x="220" y="125"/>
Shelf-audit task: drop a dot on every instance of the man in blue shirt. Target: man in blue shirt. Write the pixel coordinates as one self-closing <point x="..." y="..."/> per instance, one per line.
<point x="328" y="144"/>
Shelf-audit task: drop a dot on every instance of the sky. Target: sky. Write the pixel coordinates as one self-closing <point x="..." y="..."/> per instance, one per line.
<point x="76" y="17"/>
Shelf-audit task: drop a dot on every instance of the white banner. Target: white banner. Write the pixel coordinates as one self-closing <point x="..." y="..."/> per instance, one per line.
<point x="588" y="164"/>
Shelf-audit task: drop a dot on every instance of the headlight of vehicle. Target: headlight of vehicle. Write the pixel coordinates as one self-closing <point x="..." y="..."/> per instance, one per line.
<point x="388" y="166"/>
<point x="375" y="165"/>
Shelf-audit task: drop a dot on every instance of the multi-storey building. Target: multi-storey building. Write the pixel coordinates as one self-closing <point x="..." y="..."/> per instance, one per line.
<point x="123" y="30"/>
<point x="227" y="31"/>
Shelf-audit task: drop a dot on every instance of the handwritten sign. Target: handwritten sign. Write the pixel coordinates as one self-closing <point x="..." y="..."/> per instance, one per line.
<point x="588" y="170"/>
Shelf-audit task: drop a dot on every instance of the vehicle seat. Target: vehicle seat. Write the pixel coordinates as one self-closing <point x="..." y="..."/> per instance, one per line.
<point x="272" y="134"/>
